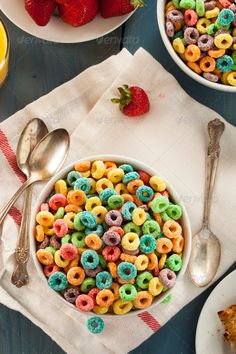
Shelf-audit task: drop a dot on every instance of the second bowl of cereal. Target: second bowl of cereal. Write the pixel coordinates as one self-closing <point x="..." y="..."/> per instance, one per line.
<point x="110" y="236"/>
<point x="200" y="36"/>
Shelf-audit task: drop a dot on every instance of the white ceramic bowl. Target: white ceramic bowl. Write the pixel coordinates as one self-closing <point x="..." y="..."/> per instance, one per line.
<point x="139" y="166"/>
<point x="57" y="30"/>
<point x="178" y="60"/>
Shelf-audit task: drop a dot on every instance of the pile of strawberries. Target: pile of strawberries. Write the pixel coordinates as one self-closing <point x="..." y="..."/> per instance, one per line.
<point x="78" y="12"/>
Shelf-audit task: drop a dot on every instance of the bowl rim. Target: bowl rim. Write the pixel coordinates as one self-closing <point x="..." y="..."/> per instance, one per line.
<point x="179" y="61"/>
<point x="140" y="165"/>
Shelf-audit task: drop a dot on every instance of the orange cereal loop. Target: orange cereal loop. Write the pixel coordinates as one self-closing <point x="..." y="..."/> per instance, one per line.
<point x="81" y="250"/>
<point x="77" y="197"/>
<point x="112" y="269"/>
<point x="122" y="281"/>
<point x="69" y="196"/>
<point x="158" y="218"/>
<point x="93" y="241"/>
<point x="128" y="258"/>
<point x="45" y="257"/>
<point x="75" y="276"/>
<point x="133" y="185"/>
<point x="127" y="197"/>
<point x="82" y="166"/>
<point x="178" y="26"/>
<point x="195" y="67"/>
<point x="136" y="200"/>
<point x="218" y="4"/>
<point x="143" y="300"/>
<point x="207" y="64"/>
<point x="39" y="233"/>
<point x="115" y="289"/>
<point x="192" y="53"/>
<point x="216" y="53"/>
<point x="178" y="244"/>
<point x="170" y="8"/>
<point x="217" y="72"/>
<point x="75" y="262"/>
<point x="170" y="3"/>
<point x="164" y="245"/>
<point x="172" y="229"/>
<point x="71" y="208"/>
<point x="153" y="261"/>
<point x="105" y="298"/>
<point x="109" y="165"/>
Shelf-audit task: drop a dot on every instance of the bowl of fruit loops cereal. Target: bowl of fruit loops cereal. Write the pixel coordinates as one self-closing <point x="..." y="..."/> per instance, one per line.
<point x="110" y="236"/>
<point x="200" y="36"/>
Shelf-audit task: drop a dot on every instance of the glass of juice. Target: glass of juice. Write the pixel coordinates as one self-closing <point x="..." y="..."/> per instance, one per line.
<point x="4" y="52"/>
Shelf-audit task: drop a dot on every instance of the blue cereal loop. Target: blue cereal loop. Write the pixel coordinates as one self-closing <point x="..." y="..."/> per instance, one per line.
<point x="95" y="325"/>
<point x="147" y="244"/>
<point x="106" y="194"/>
<point x="98" y="230"/>
<point x="58" y="281"/>
<point x="103" y="280"/>
<point x="126" y="168"/>
<point x="145" y="193"/>
<point x="126" y="271"/>
<point x="88" y="219"/>
<point x="127" y="210"/>
<point x="225" y="17"/>
<point x="224" y="63"/>
<point x="89" y="259"/>
<point x="83" y="184"/>
<point x="130" y="176"/>
<point x="72" y="177"/>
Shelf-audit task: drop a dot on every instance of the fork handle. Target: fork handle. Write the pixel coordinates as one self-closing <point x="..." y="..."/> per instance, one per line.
<point x="215" y="130"/>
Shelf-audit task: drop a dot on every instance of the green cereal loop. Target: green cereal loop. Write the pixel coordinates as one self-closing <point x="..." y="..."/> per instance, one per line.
<point x="127" y="292"/>
<point x="174" y="262"/>
<point x="174" y="212"/>
<point x="78" y="224"/>
<point x="165" y="289"/>
<point x="234" y="56"/>
<point x="148" y="216"/>
<point x="167" y="299"/>
<point x="179" y="34"/>
<point x="131" y="227"/>
<point x="115" y="201"/>
<point x="137" y="287"/>
<point x="159" y="204"/>
<point x="211" y="29"/>
<point x="151" y="227"/>
<point x="143" y="280"/>
<point x="102" y="261"/>
<point x="60" y="213"/>
<point x="87" y="285"/>
<point x="176" y="4"/>
<point x="66" y="239"/>
<point x="78" y="239"/>
<point x="200" y="8"/>
<point x="219" y="26"/>
<point x="50" y="249"/>
<point x="234" y="67"/>
<point x="187" y="4"/>
<point x="165" y="217"/>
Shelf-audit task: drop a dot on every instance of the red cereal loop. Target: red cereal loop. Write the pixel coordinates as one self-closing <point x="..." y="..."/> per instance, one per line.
<point x="60" y="227"/>
<point x="57" y="201"/>
<point x="117" y="229"/>
<point x="111" y="253"/>
<point x="50" y="269"/>
<point x="144" y="176"/>
<point x="190" y="17"/>
<point x="93" y="294"/>
<point x="84" y="303"/>
<point x="69" y="251"/>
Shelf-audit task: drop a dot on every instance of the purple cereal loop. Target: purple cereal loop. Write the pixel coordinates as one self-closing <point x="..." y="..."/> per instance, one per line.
<point x="131" y="253"/>
<point x="93" y="272"/>
<point x="205" y="42"/>
<point x="210" y="5"/>
<point x="167" y="278"/>
<point x="170" y="30"/>
<point x="54" y="242"/>
<point x="111" y="238"/>
<point x="232" y="7"/>
<point x="175" y="16"/>
<point x="210" y="77"/>
<point x="45" y="243"/>
<point x="114" y="218"/>
<point x="234" y="21"/>
<point x="144" y="207"/>
<point x="191" y="35"/>
<point x="71" y="294"/>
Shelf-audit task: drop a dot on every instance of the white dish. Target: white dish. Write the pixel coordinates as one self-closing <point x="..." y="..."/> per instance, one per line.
<point x="178" y="60"/>
<point x="139" y="166"/>
<point x="57" y="30"/>
<point x="209" y="335"/>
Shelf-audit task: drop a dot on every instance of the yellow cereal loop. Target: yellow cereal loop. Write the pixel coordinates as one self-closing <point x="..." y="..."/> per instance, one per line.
<point x="178" y="45"/>
<point x="49" y="231"/>
<point x="92" y="203"/>
<point x="39" y="233"/>
<point x="234" y="32"/>
<point x="162" y="261"/>
<point x="224" y="77"/>
<point x="121" y="188"/>
<point x="69" y="219"/>
<point x="157" y="184"/>
<point x="130" y="241"/>
<point x="61" y="187"/>
<point x="86" y="174"/>
<point x="97" y="170"/>
<point x="45" y="218"/>
<point x="223" y="41"/>
<point x="155" y="287"/>
<point x="141" y="263"/>
<point x="234" y="46"/>
<point x="212" y="13"/>
<point x="100" y="310"/>
<point x="121" y="307"/>
<point x="72" y="208"/>
<point x="139" y="216"/>
<point x="202" y="25"/>
<point x="93" y="186"/>
<point x="99" y="212"/>
<point x="231" y="78"/>
<point x="102" y="184"/>
<point x="170" y="3"/>
<point x="115" y="175"/>
<point x="45" y="257"/>
<point x="62" y="263"/>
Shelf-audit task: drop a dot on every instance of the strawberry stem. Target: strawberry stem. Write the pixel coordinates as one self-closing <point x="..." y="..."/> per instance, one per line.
<point x="125" y="97"/>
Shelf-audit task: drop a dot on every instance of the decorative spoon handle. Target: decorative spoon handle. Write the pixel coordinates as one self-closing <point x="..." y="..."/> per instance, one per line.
<point x="20" y="275"/>
<point x="215" y="130"/>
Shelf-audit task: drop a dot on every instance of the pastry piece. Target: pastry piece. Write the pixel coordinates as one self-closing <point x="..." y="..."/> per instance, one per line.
<point x="228" y="319"/>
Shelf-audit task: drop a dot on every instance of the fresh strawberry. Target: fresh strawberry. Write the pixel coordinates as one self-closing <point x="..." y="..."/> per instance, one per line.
<point x="110" y="8"/>
<point x="133" y="101"/>
<point x="61" y="1"/>
<point x="79" y="12"/>
<point x="40" y="10"/>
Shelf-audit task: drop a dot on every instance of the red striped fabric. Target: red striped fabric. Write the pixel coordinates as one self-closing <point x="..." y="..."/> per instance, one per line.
<point x="152" y="323"/>
<point x="16" y="215"/>
<point x="10" y="156"/>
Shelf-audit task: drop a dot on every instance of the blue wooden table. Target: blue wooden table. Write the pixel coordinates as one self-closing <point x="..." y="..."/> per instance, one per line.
<point x="36" y="68"/>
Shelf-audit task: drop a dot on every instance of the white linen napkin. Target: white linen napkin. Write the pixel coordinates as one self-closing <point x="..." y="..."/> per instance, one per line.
<point x="172" y="138"/>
